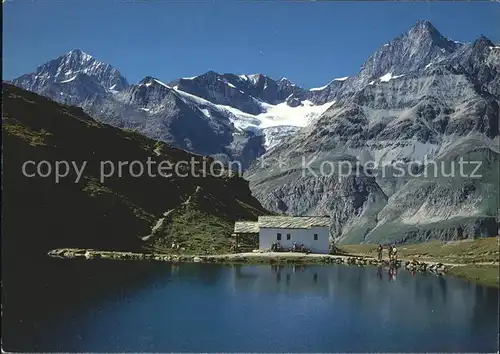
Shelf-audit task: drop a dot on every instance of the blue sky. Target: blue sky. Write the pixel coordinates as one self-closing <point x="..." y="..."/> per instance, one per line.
<point x="307" y="42"/>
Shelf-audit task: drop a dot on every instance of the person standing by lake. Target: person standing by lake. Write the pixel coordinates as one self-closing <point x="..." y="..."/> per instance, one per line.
<point x="394" y="253"/>
<point x="379" y="250"/>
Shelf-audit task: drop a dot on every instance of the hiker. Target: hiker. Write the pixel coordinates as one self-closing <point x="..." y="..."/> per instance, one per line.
<point x="380" y="249"/>
<point x="394" y="253"/>
<point x="390" y="253"/>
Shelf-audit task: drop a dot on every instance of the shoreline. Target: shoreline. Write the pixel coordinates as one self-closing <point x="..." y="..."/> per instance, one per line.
<point x="437" y="268"/>
<point x="485" y="273"/>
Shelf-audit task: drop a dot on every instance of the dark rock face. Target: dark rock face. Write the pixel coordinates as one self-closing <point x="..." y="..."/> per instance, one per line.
<point x="421" y="96"/>
<point x="161" y="113"/>
<point x="480" y="61"/>
<point x="293" y="101"/>
<point x="243" y="92"/>
<point x="247" y="147"/>
<point x="222" y="89"/>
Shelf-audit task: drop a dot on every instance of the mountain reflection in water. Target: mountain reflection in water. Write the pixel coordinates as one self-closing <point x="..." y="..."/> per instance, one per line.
<point x="277" y="308"/>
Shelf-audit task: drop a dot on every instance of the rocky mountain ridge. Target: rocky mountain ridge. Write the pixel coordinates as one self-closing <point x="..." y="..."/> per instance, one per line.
<point x="222" y="115"/>
<point x="419" y="101"/>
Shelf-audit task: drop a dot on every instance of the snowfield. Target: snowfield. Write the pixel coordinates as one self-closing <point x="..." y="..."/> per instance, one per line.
<point x="388" y="77"/>
<point x="280" y="114"/>
<point x="275" y="116"/>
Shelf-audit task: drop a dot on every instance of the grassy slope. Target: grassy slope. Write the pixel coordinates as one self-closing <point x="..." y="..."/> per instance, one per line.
<point x="194" y="227"/>
<point x="476" y="260"/>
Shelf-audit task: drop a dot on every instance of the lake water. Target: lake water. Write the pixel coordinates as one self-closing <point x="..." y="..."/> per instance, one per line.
<point x="264" y="308"/>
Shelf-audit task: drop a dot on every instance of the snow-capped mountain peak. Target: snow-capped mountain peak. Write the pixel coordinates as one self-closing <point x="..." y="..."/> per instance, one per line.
<point x="424" y="31"/>
<point x="424" y="26"/>
<point x="67" y="67"/>
<point x="150" y="80"/>
<point x="78" y="55"/>
<point x="255" y="78"/>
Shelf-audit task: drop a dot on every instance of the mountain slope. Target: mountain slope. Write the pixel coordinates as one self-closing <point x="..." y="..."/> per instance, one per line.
<point x="114" y="214"/>
<point x="419" y="100"/>
<point x="159" y="112"/>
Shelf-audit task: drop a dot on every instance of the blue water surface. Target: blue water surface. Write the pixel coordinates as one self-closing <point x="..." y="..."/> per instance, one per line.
<point x="263" y="308"/>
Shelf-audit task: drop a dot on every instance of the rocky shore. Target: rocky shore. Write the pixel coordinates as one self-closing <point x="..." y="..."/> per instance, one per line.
<point x="414" y="265"/>
<point x="250" y="258"/>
